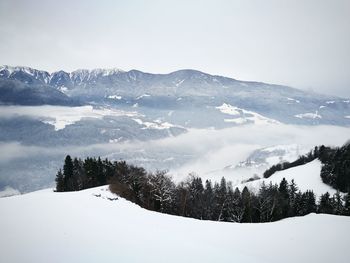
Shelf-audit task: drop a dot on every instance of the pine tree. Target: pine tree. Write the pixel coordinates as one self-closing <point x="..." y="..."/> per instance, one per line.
<point x="109" y="169"/>
<point x="221" y="199"/>
<point x="284" y="197"/>
<point x="68" y="174"/>
<point x="195" y="190"/>
<point x="275" y="212"/>
<point x="309" y="202"/>
<point x="101" y="175"/>
<point x="263" y="203"/>
<point x="346" y="210"/>
<point x="293" y="190"/>
<point x="298" y="204"/>
<point x="181" y="198"/>
<point x="235" y="209"/>
<point x="325" y="204"/>
<point x="247" y="206"/>
<point x="338" y="206"/>
<point x="208" y="201"/>
<point x="59" y="181"/>
<point x="78" y="175"/>
<point x="135" y="180"/>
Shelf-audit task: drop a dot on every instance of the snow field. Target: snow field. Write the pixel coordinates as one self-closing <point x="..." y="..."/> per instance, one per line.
<point x="86" y="226"/>
<point x="307" y="177"/>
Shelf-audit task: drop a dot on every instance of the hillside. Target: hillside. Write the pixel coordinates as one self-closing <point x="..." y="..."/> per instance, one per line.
<point x="307" y="177"/>
<point x="86" y="226"/>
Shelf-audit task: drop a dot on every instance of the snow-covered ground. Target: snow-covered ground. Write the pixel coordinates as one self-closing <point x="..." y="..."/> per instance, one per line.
<point x="61" y="116"/>
<point x="86" y="226"/>
<point x="114" y="97"/>
<point x="156" y="124"/>
<point x="307" y="177"/>
<point x="241" y="116"/>
<point x="309" y="115"/>
<point x="142" y="96"/>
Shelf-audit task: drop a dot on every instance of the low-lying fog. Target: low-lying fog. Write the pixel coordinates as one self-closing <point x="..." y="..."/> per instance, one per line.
<point x="204" y="152"/>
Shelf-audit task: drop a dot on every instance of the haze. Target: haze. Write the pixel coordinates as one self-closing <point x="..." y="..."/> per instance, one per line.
<point x="304" y="44"/>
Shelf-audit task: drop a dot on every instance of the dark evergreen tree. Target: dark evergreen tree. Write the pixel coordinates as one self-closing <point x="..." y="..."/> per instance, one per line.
<point x="60" y="181"/>
<point x="325" y="205"/>
<point x="298" y="206"/>
<point x="247" y="206"/>
<point x="346" y="210"/>
<point x="235" y="205"/>
<point x="220" y="193"/>
<point x="336" y="167"/>
<point x="275" y="212"/>
<point x="181" y="199"/>
<point x="263" y="204"/>
<point x="284" y="199"/>
<point x="108" y="169"/>
<point x="68" y="174"/>
<point x="208" y="201"/>
<point x="195" y="200"/>
<point x="78" y="177"/>
<point x="293" y="190"/>
<point x="101" y="173"/>
<point x="338" y="206"/>
<point x="91" y="169"/>
<point x="135" y="178"/>
<point x="309" y="203"/>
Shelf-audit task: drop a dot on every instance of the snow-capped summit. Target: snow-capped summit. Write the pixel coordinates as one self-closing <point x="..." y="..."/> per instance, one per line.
<point x="58" y="78"/>
<point x="82" y="75"/>
<point x="24" y="74"/>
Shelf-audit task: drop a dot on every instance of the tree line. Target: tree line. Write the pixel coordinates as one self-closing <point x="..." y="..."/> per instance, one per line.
<point x="192" y="198"/>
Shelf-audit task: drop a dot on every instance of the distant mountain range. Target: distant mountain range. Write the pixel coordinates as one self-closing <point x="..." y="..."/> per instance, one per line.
<point x="188" y="93"/>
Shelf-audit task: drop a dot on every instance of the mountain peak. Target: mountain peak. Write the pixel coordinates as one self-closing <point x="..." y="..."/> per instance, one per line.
<point x="28" y="73"/>
<point x="98" y="71"/>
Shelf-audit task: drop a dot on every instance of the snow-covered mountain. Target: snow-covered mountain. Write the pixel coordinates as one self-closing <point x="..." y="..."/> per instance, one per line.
<point x="188" y="95"/>
<point x="23" y="93"/>
<point x="96" y="226"/>
<point x="25" y="74"/>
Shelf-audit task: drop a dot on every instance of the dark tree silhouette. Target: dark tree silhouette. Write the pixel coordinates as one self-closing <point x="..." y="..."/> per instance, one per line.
<point x="156" y="191"/>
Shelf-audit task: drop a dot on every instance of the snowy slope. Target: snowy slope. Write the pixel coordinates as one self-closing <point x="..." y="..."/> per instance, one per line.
<point x="307" y="177"/>
<point x="241" y="116"/>
<point x="258" y="161"/>
<point x="88" y="227"/>
<point x="60" y="116"/>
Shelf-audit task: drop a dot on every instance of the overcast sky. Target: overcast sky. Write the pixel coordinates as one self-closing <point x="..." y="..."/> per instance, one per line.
<point x="305" y="44"/>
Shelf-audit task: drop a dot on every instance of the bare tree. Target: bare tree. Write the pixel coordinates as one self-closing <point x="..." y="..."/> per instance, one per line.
<point x="162" y="189"/>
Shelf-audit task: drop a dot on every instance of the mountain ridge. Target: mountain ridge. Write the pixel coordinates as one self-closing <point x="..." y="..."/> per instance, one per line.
<point x="183" y="91"/>
<point x="113" y="71"/>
